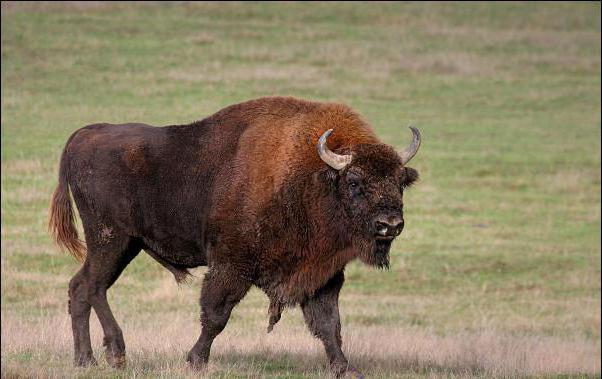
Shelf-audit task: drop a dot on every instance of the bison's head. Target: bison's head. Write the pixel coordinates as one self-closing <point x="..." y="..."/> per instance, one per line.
<point x="369" y="181"/>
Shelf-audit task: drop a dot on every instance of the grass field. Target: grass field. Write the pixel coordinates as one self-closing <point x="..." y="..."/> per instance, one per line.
<point x="497" y="273"/>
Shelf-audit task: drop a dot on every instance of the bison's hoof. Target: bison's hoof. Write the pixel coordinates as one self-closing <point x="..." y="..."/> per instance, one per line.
<point x="352" y="373"/>
<point x="348" y="372"/>
<point x="196" y="362"/>
<point x="115" y="360"/>
<point x="84" y="360"/>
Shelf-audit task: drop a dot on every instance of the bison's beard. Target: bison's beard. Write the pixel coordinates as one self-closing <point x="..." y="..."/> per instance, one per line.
<point x="380" y="252"/>
<point x="376" y="253"/>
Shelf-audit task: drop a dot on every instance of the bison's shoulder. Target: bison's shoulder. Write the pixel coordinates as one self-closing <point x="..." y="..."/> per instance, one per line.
<point x="279" y="140"/>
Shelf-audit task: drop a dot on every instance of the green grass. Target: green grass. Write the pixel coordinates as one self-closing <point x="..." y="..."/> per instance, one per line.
<point x="503" y="230"/>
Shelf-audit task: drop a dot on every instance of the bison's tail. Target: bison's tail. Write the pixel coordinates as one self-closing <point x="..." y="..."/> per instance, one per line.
<point x="61" y="223"/>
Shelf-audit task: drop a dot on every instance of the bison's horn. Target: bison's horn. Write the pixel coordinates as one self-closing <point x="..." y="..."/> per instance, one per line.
<point x="411" y="150"/>
<point x="336" y="161"/>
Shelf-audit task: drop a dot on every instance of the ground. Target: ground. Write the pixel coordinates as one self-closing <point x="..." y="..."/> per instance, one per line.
<point x="498" y="270"/>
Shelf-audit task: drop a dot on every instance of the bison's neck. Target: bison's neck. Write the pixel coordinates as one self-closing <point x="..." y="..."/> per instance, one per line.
<point x="305" y="242"/>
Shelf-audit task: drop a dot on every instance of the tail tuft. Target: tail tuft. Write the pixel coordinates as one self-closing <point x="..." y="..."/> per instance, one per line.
<point x="61" y="222"/>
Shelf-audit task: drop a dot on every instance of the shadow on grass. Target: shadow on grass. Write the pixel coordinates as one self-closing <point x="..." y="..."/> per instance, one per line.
<point x="315" y="365"/>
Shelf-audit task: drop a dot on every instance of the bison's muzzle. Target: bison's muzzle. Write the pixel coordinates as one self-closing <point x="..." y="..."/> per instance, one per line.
<point x="387" y="227"/>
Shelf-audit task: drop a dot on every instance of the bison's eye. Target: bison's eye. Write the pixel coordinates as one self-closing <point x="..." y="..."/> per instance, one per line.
<point x="354" y="183"/>
<point x="355" y="189"/>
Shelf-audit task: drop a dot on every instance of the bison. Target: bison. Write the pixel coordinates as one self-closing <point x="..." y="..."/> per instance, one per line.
<point x="278" y="193"/>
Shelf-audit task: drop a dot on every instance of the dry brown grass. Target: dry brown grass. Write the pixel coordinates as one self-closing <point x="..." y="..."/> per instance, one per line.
<point x="159" y="343"/>
<point x="161" y="324"/>
<point x="22" y="167"/>
<point x="28" y="195"/>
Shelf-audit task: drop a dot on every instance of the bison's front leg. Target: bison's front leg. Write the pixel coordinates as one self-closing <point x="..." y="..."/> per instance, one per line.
<point x="222" y="289"/>
<point x="321" y="313"/>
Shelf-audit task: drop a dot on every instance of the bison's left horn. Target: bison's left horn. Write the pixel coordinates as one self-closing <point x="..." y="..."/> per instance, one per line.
<point x="411" y="150"/>
<point x="336" y="161"/>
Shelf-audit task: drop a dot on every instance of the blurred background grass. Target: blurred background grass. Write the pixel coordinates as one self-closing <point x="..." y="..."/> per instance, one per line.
<point x="503" y="231"/>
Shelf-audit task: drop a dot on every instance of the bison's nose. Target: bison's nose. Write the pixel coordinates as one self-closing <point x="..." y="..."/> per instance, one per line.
<point x="389" y="226"/>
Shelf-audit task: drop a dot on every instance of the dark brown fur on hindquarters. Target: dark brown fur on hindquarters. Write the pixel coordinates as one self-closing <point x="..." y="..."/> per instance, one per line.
<point x="243" y="191"/>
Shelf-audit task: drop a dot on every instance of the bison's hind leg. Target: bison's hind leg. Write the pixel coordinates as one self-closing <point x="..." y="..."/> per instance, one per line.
<point x="79" y="309"/>
<point x="108" y="255"/>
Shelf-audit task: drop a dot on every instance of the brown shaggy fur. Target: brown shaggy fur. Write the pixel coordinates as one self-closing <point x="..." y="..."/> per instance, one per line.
<point x="244" y="192"/>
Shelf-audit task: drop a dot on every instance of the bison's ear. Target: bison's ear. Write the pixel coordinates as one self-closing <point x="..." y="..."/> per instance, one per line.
<point x="409" y="177"/>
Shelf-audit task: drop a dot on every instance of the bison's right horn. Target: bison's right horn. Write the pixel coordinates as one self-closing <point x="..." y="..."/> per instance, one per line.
<point x="336" y="161"/>
<point x="411" y="150"/>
